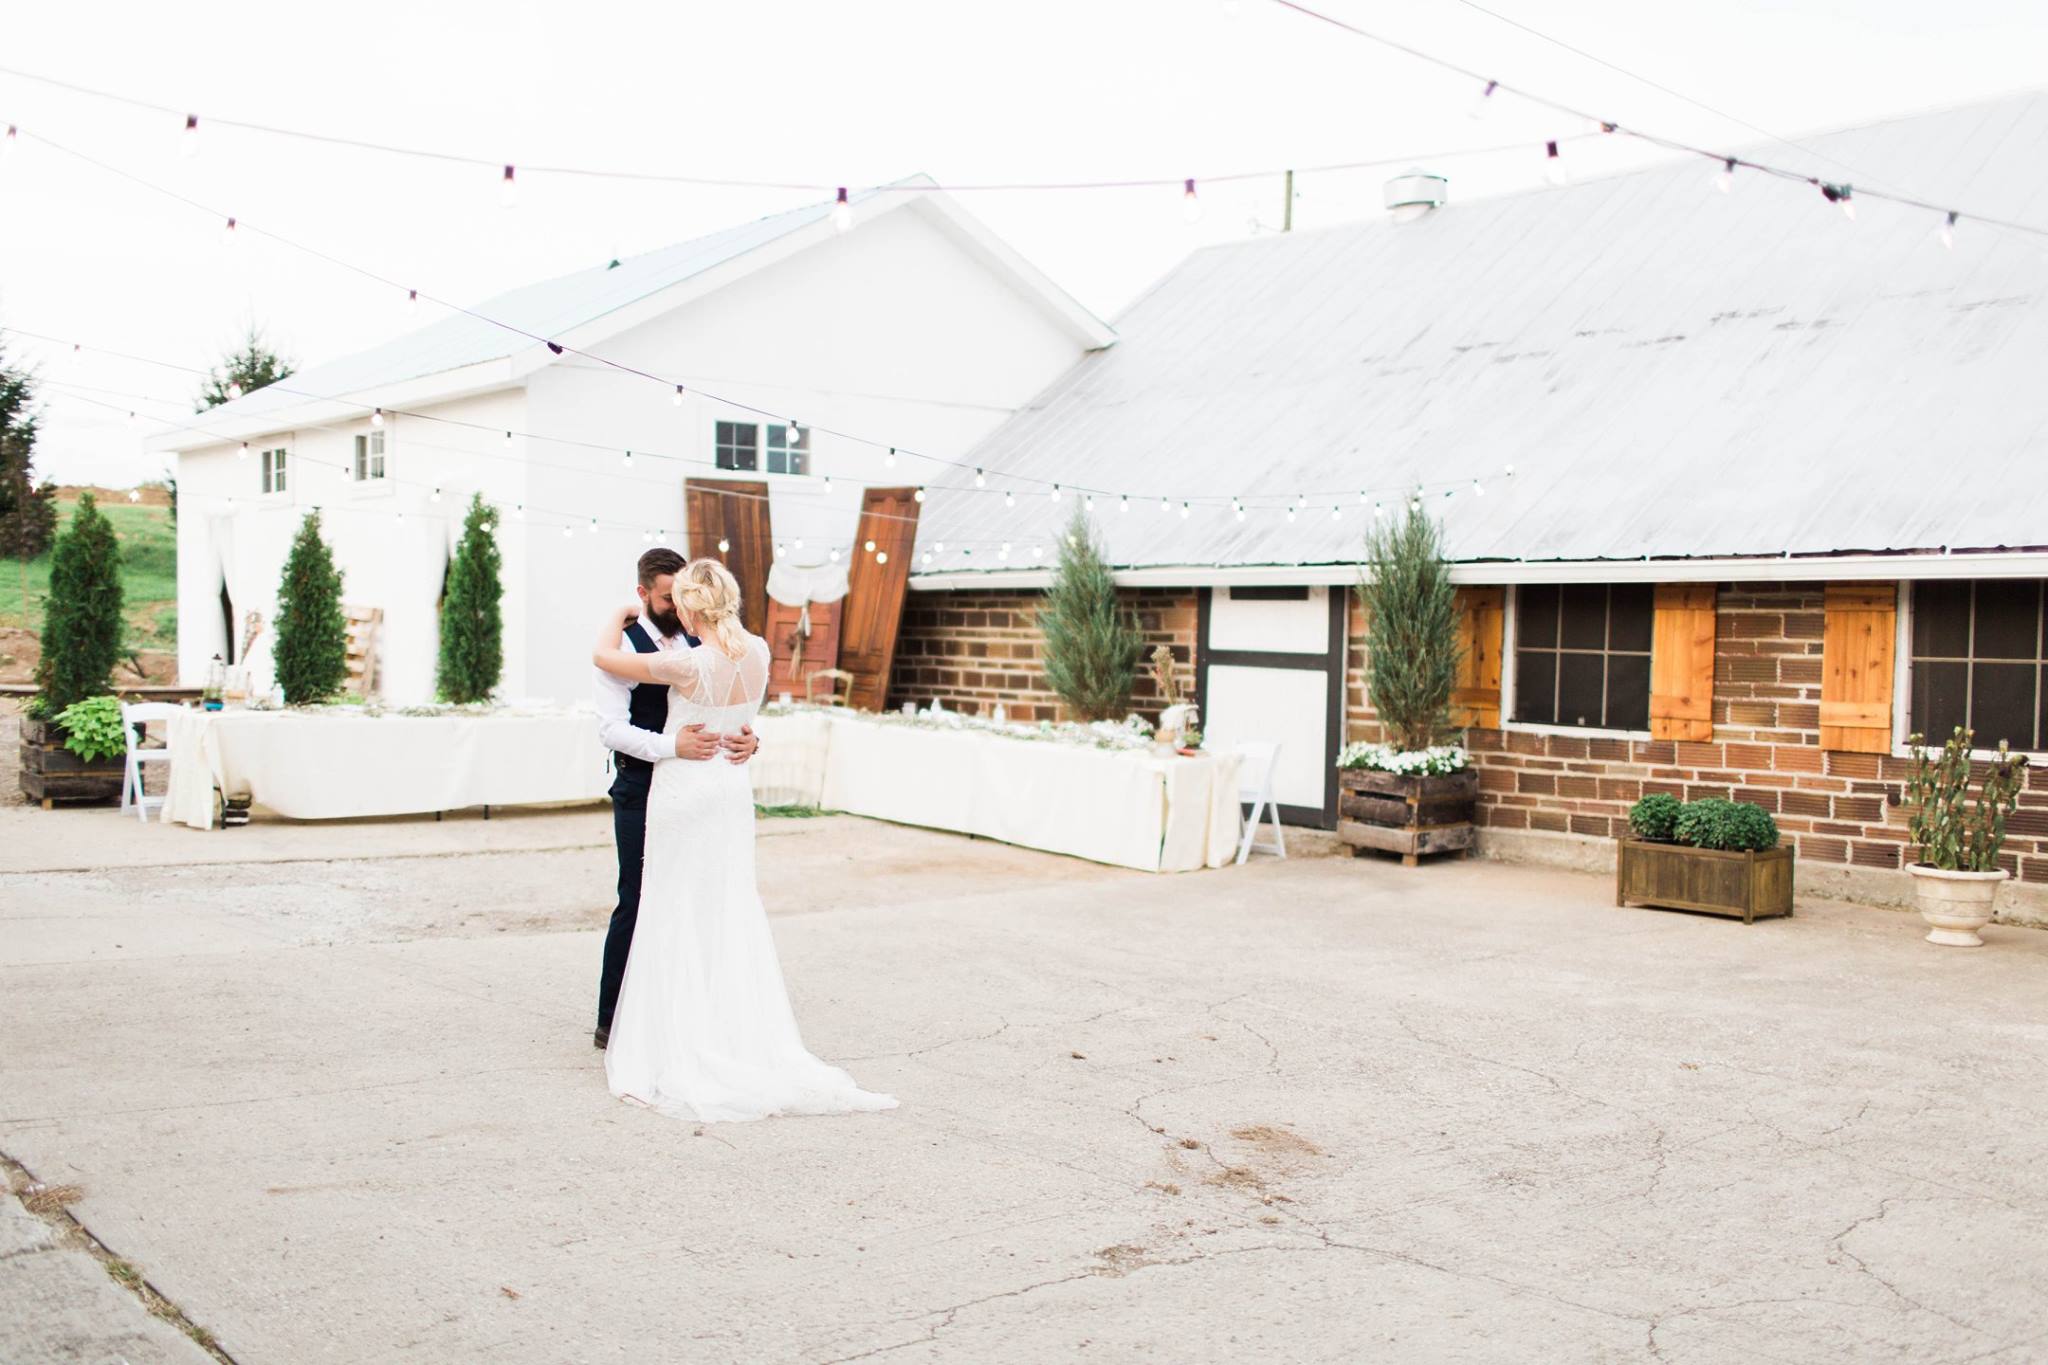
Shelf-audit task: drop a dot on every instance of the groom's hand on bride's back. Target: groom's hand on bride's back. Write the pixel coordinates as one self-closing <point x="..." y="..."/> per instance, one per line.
<point x="693" y="743"/>
<point x="740" y="747"/>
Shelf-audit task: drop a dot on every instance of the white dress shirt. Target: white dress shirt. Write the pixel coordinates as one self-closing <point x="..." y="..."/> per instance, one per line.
<point x="614" y="697"/>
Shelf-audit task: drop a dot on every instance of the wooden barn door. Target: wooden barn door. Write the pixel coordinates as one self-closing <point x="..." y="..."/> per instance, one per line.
<point x="736" y="512"/>
<point x="874" y="597"/>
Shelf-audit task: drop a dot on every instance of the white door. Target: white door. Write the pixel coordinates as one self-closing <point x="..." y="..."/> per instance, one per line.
<point x="1272" y="671"/>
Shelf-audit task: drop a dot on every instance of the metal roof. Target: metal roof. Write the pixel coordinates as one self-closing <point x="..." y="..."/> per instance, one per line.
<point x="1672" y="372"/>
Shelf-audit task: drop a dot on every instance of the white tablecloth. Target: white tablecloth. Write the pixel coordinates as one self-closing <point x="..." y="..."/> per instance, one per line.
<point x="325" y="765"/>
<point x="1158" y="814"/>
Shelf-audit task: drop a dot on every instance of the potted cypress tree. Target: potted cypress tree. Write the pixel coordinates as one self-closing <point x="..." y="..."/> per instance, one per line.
<point x="472" y="626"/>
<point x="311" y="651"/>
<point x="1956" y="878"/>
<point x="1412" y="794"/>
<point x="81" y="642"/>
<point x="1091" y="640"/>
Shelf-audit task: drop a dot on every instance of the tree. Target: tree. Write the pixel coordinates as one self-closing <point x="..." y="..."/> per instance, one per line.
<point x="472" y="627"/>
<point x="312" y="637"/>
<point x="82" y="622"/>
<point x="1412" y="648"/>
<point x="1091" y="640"/>
<point x="28" y="514"/>
<point x="251" y="367"/>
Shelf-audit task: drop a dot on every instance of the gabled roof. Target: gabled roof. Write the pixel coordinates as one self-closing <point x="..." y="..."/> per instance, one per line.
<point x="1672" y="372"/>
<point x="463" y="354"/>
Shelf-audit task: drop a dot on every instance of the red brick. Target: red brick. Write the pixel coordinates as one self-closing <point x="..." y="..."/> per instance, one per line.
<point x="1692" y="755"/>
<point x="1824" y="850"/>
<point x="1540" y="783"/>
<point x="1852" y="765"/>
<point x="1805" y="803"/>
<point x="1591" y="824"/>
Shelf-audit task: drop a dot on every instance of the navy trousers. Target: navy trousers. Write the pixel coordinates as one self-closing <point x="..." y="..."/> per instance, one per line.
<point x="629" y="831"/>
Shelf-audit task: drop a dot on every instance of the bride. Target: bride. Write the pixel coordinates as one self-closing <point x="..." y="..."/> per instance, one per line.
<point x="703" y="1028"/>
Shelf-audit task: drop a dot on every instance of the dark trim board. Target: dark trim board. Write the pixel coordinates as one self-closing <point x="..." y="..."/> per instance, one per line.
<point x="1330" y="663"/>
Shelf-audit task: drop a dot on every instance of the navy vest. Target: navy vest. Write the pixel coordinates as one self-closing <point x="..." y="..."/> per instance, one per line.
<point x="647" y="709"/>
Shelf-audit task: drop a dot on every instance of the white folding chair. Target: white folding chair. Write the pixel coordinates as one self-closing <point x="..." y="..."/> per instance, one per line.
<point x="133" y="717"/>
<point x="1255" y="789"/>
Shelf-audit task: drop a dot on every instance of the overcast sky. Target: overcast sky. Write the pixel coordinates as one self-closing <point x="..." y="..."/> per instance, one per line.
<point x="830" y="92"/>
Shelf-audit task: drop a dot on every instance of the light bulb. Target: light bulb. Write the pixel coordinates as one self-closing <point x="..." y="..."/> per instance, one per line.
<point x="882" y="558"/>
<point x="508" y="440"/>
<point x="1840" y="195"/>
<point x="131" y="419"/>
<point x="508" y="189"/>
<point x="927" y="557"/>
<point x="135" y="495"/>
<point x="939" y="546"/>
<point x="1378" y="511"/>
<point x="869" y="547"/>
<point x="519" y="511"/>
<point x="1165" y="506"/>
<point x="243" y="453"/>
<point x="1301" y="501"/>
<point x="1009" y="498"/>
<point x="628" y="461"/>
<point x="980" y="479"/>
<point x="1484" y="103"/>
<point x="918" y="496"/>
<point x="234" y="388"/>
<point x="647" y="537"/>
<point x="189" y="144"/>
<point x="1553" y="164"/>
<point x="724" y="545"/>
<point x="1508" y="470"/>
<point x="1190" y="206"/>
<point x="7" y="146"/>
<point x="593" y="526"/>
<point x="436" y="497"/>
<point x="778" y="549"/>
<point x="227" y="234"/>
<point x="1725" y="181"/>
<point x="1478" y="489"/>
<point x="568" y="533"/>
<point x="1240" y="514"/>
<point x="828" y="483"/>
<point x="833" y="554"/>
<point x="1055" y="492"/>
<point x="376" y="414"/>
<point x="1038" y="552"/>
<point x="1361" y="497"/>
<point x="412" y="302"/>
<point x="889" y="460"/>
<point x="799" y="542"/>
<point x="1004" y="553"/>
<point x="1089" y="501"/>
<point x="1184" y="510"/>
<point x="1948" y="231"/>
<point x="1290" y="516"/>
<point x="842" y="213"/>
<point x="678" y="400"/>
<point x="1336" y="514"/>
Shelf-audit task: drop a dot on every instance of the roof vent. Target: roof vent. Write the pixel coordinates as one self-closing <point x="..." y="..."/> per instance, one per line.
<point x="1415" y="192"/>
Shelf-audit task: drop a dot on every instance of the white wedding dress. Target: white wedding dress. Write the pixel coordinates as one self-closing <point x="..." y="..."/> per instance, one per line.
<point x="703" y="1028"/>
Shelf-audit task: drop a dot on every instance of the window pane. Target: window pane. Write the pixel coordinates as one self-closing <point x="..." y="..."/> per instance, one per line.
<point x="778" y="460"/>
<point x="1583" y="611"/>
<point x="2002" y="704"/>
<point x="1579" y="679"/>
<point x="1628" y="691"/>
<point x="1941" y="620"/>
<point x="1938" y="693"/>
<point x="1630" y="614"/>
<point x="799" y="463"/>
<point x="1536" y="686"/>
<point x="778" y="436"/>
<point x="1536" y="617"/>
<point x="2008" y="619"/>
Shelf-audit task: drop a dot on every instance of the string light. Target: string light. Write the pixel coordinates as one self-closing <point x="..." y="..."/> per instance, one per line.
<point x="939" y="546"/>
<point x="1301" y="501"/>
<point x="7" y="145"/>
<point x="647" y="537"/>
<point x="828" y="483"/>
<point x="1553" y="164"/>
<point x="412" y="302"/>
<point x="1724" y="181"/>
<point x="628" y="461"/>
<point x="1190" y="206"/>
<point x="519" y="511"/>
<point x="1123" y="502"/>
<point x="678" y="400"/>
<point x="869" y="547"/>
<point x="1055" y="492"/>
<point x="1841" y="196"/>
<point x="227" y="234"/>
<point x="508" y="188"/>
<point x="436" y="496"/>
<point x="1165" y="506"/>
<point x="842" y="213"/>
<point x="799" y="542"/>
<point x="1004" y="553"/>
<point x="980" y="479"/>
<point x="508" y="440"/>
<point x="882" y="557"/>
<point x="1378" y="511"/>
<point x="918" y="496"/>
<point x="724" y="545"/>
<point x="1481" y="105"/>
<point x="1948" y="231"/>
<point x="189" y="143"/>
<point x="926" y="558"/>
<point x="593" y="526"/>
<point x="376" y="416"/>
<point x="1478" y="489"/>
<point x="568" y="533"/>
<point x="1336" y="514"/>
<point x="1290" y="516"/>
<point x="1508" y="470"/>
<point x="234" y="388"/>
<point x="243" y="453"/>
<point x="833" y="554"/>
<point x="1009" y="498"/>
<point x="889" y="460"/>
<point x="1184" y="510"/>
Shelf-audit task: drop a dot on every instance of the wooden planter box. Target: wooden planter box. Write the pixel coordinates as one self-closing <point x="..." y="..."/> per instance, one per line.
<point x="1749" y="886"/>
<point x="1411" y="816"/>
<point x="51" y="773"/>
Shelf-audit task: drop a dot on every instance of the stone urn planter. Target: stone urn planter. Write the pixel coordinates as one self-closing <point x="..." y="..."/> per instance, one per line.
<point x="1405" y="814"/>
<point x="1955" y="904"/>
<point x="51" y="773"/>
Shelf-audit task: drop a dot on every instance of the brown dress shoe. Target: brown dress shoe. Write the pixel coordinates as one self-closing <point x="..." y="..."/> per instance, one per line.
<point x="600" y="1038"/>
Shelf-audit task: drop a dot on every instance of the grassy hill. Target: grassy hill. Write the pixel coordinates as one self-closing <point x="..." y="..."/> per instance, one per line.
<point x="149" y="571"/>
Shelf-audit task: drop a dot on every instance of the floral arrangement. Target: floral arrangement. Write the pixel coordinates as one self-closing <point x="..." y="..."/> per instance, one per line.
<point x="1132" y="732"/>
<point x="1438" y="760"/>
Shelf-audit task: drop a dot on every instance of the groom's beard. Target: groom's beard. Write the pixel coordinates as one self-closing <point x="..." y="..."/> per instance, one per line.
<point x="667" y="622"/>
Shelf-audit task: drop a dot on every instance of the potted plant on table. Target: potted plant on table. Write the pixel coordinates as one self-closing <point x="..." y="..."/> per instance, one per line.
<point x="1955" y="881"/>
<point x="1717" y="856"/>
<point x="1413" y="795"/>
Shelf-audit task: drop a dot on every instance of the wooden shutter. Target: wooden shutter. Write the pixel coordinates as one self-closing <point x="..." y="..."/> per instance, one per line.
<point x="1682" y="662"/>
<point x="735" y="511"/>
<point x="874" y="596"/>
<point x="1482" y="611"/>
<point x="1857" y="645"/>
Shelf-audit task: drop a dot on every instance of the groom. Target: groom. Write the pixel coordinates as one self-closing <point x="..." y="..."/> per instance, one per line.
<point x="629" y="723"/>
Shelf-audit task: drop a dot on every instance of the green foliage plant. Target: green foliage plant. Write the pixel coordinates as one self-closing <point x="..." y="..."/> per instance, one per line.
<point x="1412" y="646"/>
<point x="82" y="622"/>
<point x="92" y="728"/>
<point x="250" y="366"/>
<point x="1954" y="833"/>
<point x="1655" y="817"/>
<point x="472" y="654"/>
<point x="1736" y="825"/>
<point x="1091" y="639"/>
<point x="311" y="649"/>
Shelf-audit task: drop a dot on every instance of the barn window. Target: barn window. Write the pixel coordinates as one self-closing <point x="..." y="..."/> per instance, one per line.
<point x="1980" y="660"/>
<point x="789" y="449"/>
<point x="1582" y="655"/>
<point x="740" y="446"/>
<point x="273" y="471"/>
<point x="369" y="456"/>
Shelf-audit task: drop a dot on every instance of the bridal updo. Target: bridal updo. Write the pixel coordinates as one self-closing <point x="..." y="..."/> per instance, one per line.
<point x="708" y="591"/>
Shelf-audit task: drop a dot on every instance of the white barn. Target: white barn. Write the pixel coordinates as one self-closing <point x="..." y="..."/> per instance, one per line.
<point x="916" y="327"/>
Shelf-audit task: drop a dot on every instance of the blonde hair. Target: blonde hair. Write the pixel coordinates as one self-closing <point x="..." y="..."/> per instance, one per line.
<point x="708" y="591"/>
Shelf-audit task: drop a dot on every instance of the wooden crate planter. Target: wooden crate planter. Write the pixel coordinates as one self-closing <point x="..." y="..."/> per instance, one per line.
<point x="51" y="773"/>
<point x="1747" y="886"/>
<point x="1411" y="816"/>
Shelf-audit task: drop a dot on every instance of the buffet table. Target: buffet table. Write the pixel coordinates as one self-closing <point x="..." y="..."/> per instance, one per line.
<point x="337" y="764"/>
<point x="1130" y="808"/>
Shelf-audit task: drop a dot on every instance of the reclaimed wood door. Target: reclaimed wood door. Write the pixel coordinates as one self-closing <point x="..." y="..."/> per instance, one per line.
<point x="736" y="512"/>
<point x="794" y="656"/>
<point x="874" y="597"/>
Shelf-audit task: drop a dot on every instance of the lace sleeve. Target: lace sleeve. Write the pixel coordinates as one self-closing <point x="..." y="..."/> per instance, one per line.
<point x="678" y="668"/>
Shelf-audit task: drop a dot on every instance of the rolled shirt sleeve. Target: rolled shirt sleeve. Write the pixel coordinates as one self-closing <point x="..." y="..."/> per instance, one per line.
<point x="615" y="728"/>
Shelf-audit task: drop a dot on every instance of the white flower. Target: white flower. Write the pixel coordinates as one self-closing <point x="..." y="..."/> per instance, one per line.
<point x="1435" y="761"/>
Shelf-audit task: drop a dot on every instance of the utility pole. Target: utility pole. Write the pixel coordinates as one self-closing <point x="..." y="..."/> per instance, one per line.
<point x="1287" y="213"/>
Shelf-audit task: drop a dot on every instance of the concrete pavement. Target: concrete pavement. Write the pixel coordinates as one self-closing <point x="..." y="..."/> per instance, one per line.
<point x="345" y="1108"/>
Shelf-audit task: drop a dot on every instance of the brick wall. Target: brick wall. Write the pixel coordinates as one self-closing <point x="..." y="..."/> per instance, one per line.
<point x="1838" y="809"/>
<point x="973" y="649"/>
